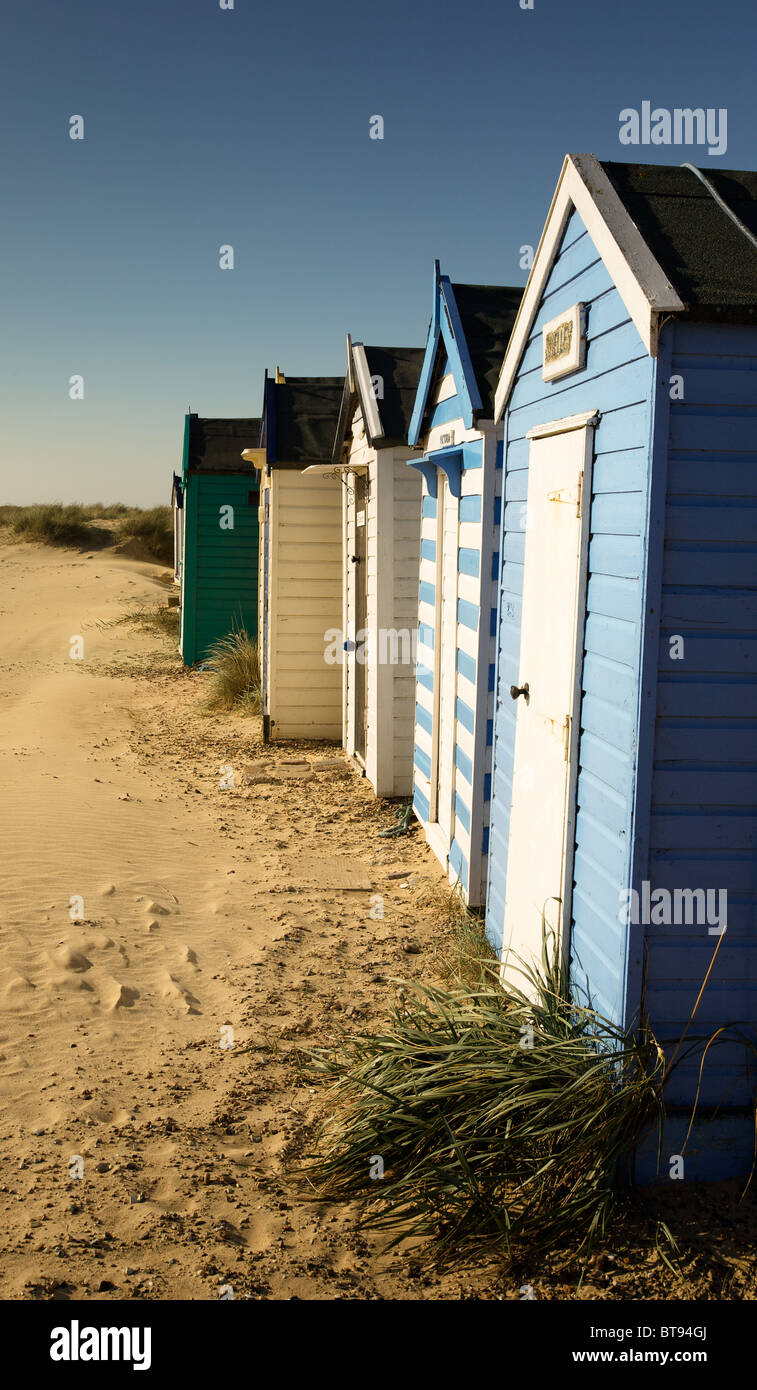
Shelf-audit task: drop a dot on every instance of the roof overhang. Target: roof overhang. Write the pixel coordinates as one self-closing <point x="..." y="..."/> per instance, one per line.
<point x="641" y="282"/>
<point x="254" y="456"/>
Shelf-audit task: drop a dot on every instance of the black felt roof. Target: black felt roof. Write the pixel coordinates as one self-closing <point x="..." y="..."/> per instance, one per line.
<point x="307" y="414"/>
<point x="400" y="370"/>
<point x="215" y="445"/>
<point x="710" y="262"/>
<point x="487" y="313"/>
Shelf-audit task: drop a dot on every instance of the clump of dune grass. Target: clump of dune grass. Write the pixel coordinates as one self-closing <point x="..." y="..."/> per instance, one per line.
<point x="161" y="619"/>
<point x="52" y="523"/>
<point x="153" y="526"/>
<point x="500" y="1117"/>
<point x="462" y="950"/>
<point x="235" y="677"/>
<point x="74" y="524"/>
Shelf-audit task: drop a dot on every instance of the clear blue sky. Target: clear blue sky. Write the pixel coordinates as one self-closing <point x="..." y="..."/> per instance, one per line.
<point x="250" y="127"/>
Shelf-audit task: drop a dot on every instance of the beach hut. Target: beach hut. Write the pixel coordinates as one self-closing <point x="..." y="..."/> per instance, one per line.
<point x="460" y="461"/>
<point x="381" y="523"/>
<point x="624" y="795"/>
<point x="219" y="548"/>
<point x="177" y="514"/>
<point x="301" y="559"/>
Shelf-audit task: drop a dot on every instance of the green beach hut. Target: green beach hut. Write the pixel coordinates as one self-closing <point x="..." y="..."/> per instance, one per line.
<point x="219" y="552"/>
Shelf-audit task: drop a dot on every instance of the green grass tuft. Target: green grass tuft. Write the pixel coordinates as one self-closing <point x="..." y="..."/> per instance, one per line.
<point x="503" y="1117"/>
<point x="235" y="679"/>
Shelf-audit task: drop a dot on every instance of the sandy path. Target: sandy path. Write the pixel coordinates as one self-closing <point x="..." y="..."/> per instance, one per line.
<point x="203" y="907"/>
<point x="223" y="886"/>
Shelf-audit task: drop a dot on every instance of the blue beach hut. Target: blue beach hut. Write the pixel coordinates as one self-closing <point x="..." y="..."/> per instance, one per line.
<point x="624" y="795"/>
<point x="460" y="459"/>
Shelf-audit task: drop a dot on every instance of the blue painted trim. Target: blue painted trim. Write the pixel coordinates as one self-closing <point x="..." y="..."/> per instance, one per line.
<point x="470" y="508"/>
<point x="449" y="325"/>
<point x="497" y="511"/>
<point x="420" y="805"/>
<point x="424" y="466"/>
<point x="468" y="614"/>
<point x="426" y="635"/>
<point x="463" y="765"/>
<point x="428" y="507"/>
<point x="444" y="411"/>
<point x="424" y="677"/>
<point x="427" y="370"/>
<point x="649" y="655"/>
<point x="489" y="732"/>
<point x="422" y="761"/>
<point x="423" y="719"/>
<point x="485" y="841"/>
<point x="455" y="322"/>
<point x="451" y="463"/>
<point x="466" y="666"/>
<point x="462" y="813"/>
<point x="428" y="550"/>
<point x="492" y="677"/>
<point x="465" y="715"/>
<point x="487" y="792"/>
<point x="427" y="593"/>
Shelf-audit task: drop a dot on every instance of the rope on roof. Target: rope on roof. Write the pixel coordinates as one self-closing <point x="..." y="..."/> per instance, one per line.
<point x="737" y="222"/>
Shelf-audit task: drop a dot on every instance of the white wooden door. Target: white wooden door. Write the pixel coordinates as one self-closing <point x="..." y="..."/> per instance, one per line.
<point x="445" y="667"/>
<point x="540" y="849"/>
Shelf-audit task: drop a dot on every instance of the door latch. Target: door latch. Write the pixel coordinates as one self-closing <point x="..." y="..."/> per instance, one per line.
<point x="516" y="690"/>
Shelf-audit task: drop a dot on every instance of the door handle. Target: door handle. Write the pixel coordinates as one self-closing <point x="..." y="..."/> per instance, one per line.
<point x="516" y="690"/>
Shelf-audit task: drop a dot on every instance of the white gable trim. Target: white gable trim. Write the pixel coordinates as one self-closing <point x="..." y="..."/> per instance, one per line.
<point x="365" y="392"/>
<point x="641" y="282"/>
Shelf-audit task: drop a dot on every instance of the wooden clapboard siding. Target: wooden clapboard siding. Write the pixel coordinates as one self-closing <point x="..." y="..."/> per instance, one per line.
<point x="220" y="577"/>
<point x="470" y="544"/>
<point x="392" y="557"/>
<point x="304" y="587"/>
<point x="702" y="827"/>
<point x="617" y="381"/>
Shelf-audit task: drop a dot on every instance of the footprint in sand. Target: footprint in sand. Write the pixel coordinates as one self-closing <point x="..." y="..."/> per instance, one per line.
<point x="114" y="995"/>
<point x="66" y="958"/>
<point x="177" y="994"/>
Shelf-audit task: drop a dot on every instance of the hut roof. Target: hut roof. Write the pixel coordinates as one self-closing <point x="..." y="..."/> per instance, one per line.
<point x="215" y="446"/>
<point x="487" y="313"/>
<point x="400" y="370"/>
<point x="387" y="416"/>
<point x="708" y="259"/>
<point x="307" y="413"/>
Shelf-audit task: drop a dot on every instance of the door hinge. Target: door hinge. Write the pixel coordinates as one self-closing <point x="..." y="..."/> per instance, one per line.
<point x="580" y="493"/>
<point x="567" y="496"/>
<point x="566" y="738"/>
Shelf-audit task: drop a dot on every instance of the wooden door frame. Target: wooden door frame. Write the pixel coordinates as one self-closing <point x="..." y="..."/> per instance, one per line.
<point x="587" y="422"/>
<point x="361" y="487"/>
